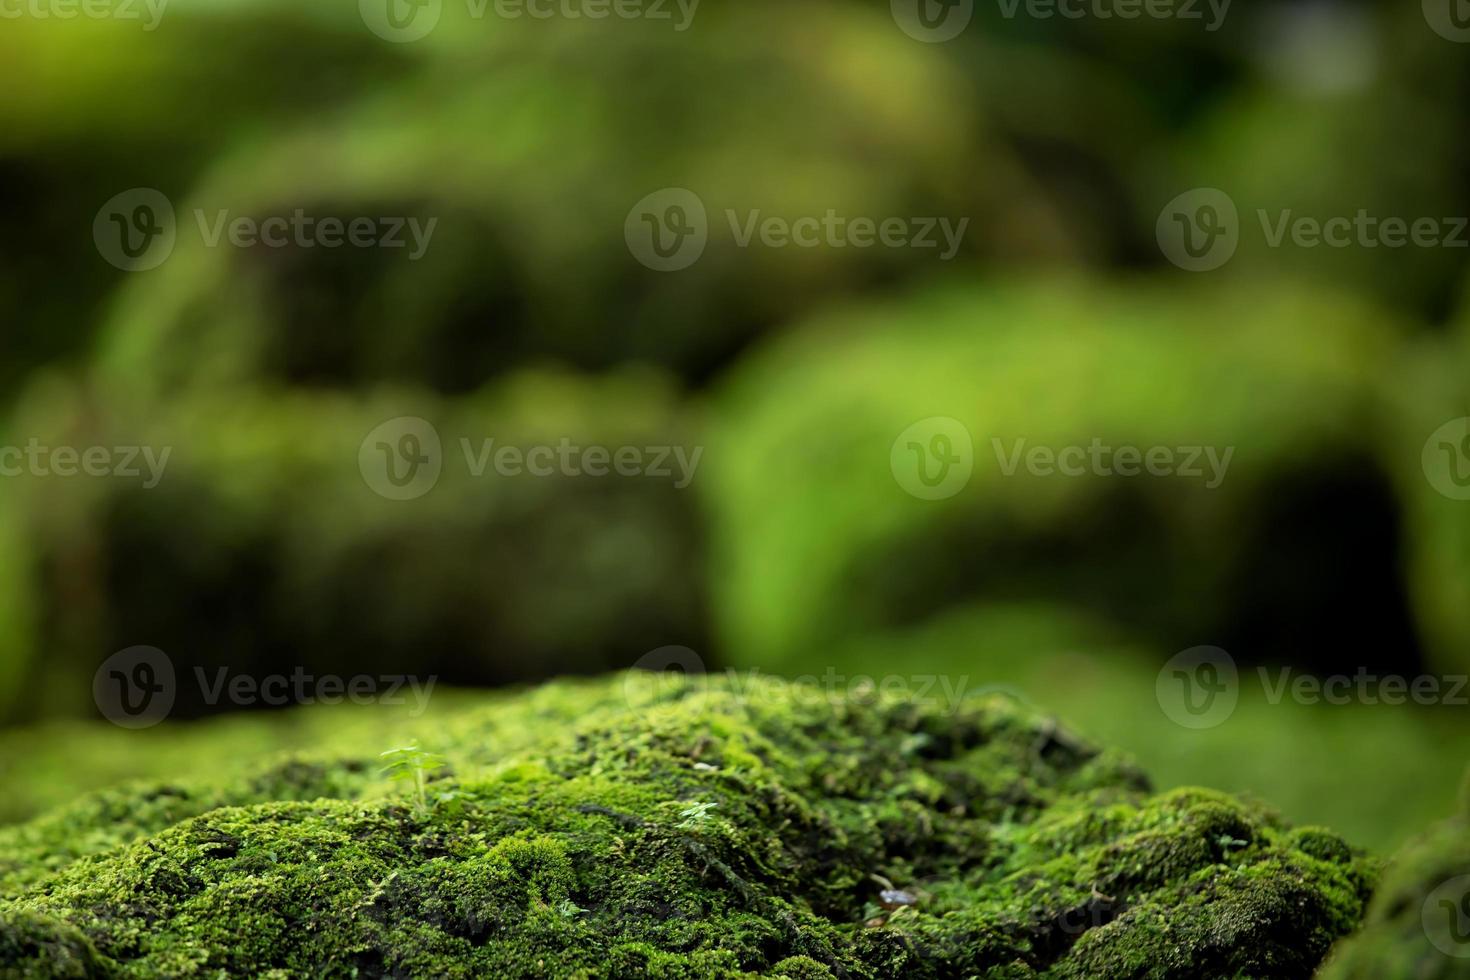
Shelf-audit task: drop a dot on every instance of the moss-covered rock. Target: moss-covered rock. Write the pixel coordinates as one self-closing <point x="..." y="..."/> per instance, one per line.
<point x="1430" y="392"/>
<point x="266" y="541"/>
<point x="1264" y="406"/>
<point x="715" y="829"/>
<point x="199" y="75"/>
<point x="527" y="258"/>
<point x="1418" y="924"/>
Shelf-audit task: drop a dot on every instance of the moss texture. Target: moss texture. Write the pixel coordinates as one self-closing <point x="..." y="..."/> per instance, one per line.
<point x="1418" y="924"/>
<point x="625" y="829"/>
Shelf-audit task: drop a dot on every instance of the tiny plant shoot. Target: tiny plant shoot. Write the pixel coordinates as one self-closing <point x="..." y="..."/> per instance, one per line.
<point x="411" y="764"/>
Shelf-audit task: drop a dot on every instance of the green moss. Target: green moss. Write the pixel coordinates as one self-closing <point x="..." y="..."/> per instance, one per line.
<point x="1408" y="931"/>
<point x="532" y="200"/>
<point x="689" y="831"/>
<point x="808" y="556"/>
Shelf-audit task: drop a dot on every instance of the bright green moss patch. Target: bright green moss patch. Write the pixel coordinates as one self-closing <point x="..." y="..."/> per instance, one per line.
<point x="692" y="833"/>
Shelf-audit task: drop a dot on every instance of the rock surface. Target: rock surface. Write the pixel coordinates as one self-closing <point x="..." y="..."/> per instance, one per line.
<point x="634" y="828"/>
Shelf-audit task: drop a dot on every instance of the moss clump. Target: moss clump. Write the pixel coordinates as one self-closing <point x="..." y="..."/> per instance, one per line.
<point x="833" y="553"/>
<point x="1418" y="924"/>
<point x="697" y="830"/>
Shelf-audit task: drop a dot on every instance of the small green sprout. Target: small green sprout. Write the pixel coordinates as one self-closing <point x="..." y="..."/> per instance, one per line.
<point x="410" y="763"/>
<point x="695" y="814"/>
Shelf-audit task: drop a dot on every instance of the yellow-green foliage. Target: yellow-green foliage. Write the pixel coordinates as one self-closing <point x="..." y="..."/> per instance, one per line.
<point x="689" y="829"/>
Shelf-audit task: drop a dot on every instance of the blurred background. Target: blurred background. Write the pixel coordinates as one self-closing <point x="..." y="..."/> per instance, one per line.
<point x="821" y="428"/>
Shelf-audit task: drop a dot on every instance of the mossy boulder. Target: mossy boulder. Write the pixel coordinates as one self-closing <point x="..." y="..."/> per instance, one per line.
<point x="1429" y="387"/>
<point x="266" y="541"/>
<point x="1265" y="407"/>
<point x="197" y="74"/>
<point x="1418" y="924"/>
<point x="527" y="258"/>
<point x="1325" y="140"/>
<point x="720" y="828"/>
